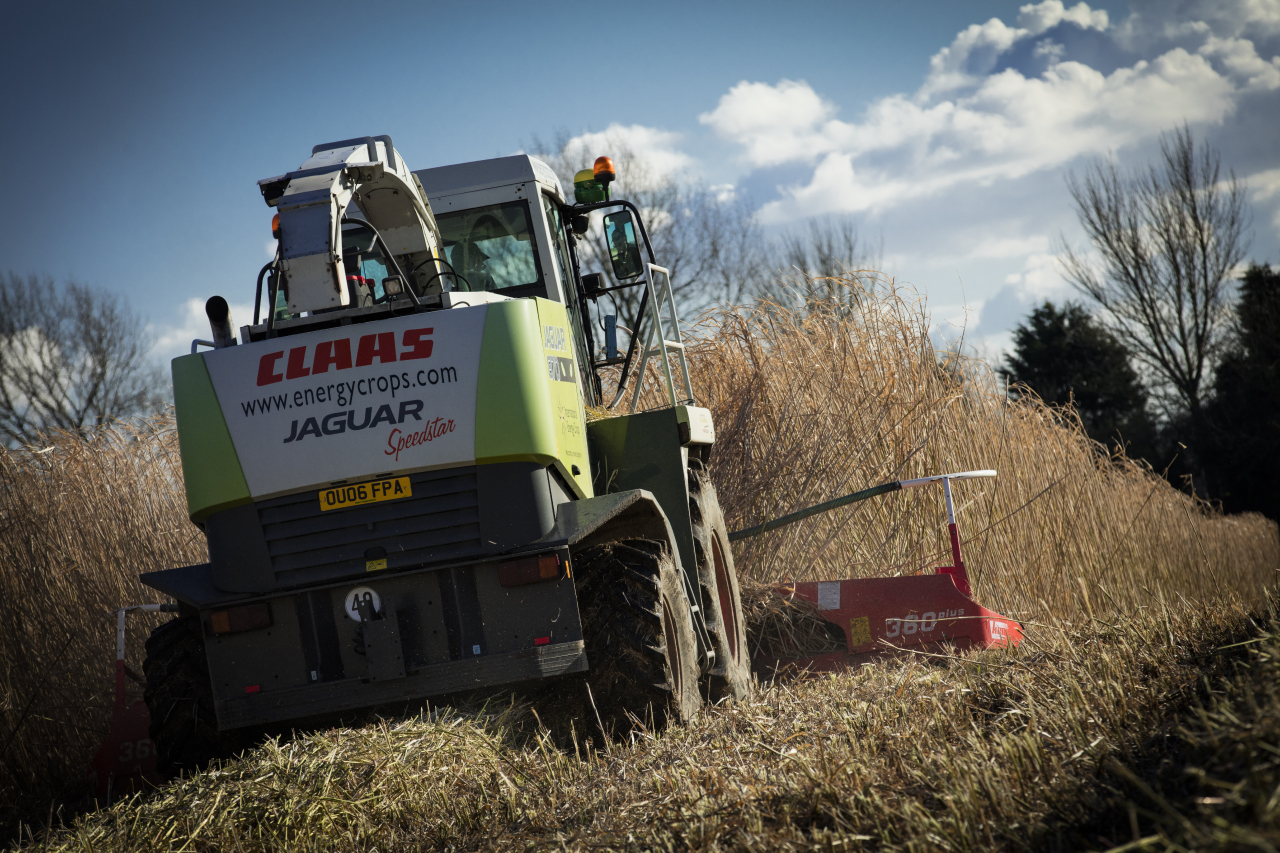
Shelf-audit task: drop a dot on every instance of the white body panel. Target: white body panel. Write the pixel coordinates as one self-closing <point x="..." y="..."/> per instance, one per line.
<point x="294" y="428"/>
<point x="312" y="208"/>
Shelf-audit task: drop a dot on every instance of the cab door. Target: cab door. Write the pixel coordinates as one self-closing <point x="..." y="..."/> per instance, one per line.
<point x="582" y="344"/>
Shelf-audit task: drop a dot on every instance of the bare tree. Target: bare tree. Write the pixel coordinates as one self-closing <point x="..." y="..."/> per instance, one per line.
<point x="1169" y="238"/>
<point x="71" y="357"/>
<point x="707" y="238"/>
<point x="808" y="262"/>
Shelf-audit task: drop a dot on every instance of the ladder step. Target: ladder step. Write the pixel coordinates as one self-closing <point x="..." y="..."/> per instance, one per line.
<point x="674" y="344"/>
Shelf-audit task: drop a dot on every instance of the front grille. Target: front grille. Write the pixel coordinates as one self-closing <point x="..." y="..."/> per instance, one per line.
<point x="440" y="522"/>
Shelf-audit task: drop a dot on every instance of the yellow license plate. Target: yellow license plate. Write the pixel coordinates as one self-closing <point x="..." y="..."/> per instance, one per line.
<point x="341" y="497"/>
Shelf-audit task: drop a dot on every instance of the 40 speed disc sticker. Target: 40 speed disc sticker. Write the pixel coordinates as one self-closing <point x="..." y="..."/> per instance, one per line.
<point x="358" y="400"/>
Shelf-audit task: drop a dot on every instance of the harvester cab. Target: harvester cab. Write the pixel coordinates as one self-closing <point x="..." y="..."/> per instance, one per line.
<point x="401" y="491"/>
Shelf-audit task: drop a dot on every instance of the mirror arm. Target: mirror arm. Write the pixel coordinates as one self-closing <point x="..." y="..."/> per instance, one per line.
<point x="631" y="351"/>
<point x="600" y="205"/>
<point x="644" y="303"/>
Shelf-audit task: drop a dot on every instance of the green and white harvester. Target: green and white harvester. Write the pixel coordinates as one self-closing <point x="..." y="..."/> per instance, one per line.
<point x="403" y="496"/>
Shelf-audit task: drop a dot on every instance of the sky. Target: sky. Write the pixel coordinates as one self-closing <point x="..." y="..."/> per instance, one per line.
<point x="137" y="131"/>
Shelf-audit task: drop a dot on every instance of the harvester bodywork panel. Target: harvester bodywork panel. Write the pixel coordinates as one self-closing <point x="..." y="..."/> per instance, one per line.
<point x="211" y="469"/>
<point x="478" y="407"/>
<point x="319" y="407"/>
<point x="456" y="628"/>
<point x="473" y="385"/>
<point x="643" y="451"/>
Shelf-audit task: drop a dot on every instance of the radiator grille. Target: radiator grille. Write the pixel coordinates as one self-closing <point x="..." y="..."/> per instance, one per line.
<point x="440" y="522"/>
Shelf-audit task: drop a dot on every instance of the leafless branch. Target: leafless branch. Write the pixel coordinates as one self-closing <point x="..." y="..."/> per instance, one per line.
<point x="1168" y="240"/>
<point x="71" y="357"/>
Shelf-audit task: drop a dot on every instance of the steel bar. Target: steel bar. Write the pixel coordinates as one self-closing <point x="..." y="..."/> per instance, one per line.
<point x="882" y="489"/>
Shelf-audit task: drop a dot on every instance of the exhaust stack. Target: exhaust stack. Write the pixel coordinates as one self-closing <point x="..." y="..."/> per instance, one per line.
<point x="220" y="322"/>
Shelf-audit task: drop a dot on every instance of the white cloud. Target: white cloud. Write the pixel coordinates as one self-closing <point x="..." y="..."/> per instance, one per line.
<point x="975" y="50"/>
<point x="1010" y="247"/>
<point x="656" y="148"/>
<point x="724" y="193"/>
<point x="775" y="123"/>
<point x="1038" y="282"/>
<point x="1242" y="61"/>
<point x="1041" y="16"/>
<point x="175" y="339"/>
<point x="991" y="125"/>
<point x="1041" y="279"/>
<point x="1153" y="23"/>
<point x="1265" y="185"/>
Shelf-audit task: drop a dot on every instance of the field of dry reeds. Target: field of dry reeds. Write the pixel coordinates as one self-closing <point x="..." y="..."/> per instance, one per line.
<point x="1139" y="581"/>
<point x="816" y="403"/>
<point x="79" y="520"/>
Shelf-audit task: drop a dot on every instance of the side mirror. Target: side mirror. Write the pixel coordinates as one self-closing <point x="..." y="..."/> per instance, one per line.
<point x="624" y="249"/>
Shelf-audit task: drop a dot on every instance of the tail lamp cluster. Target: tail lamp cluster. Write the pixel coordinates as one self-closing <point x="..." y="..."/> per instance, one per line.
<point x="526" y="570"/>
<point x="247" y="617"/>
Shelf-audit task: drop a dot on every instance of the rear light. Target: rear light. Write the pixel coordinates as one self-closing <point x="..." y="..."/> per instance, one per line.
<point x="248" y="617"/>
<point x="545" y="567"/>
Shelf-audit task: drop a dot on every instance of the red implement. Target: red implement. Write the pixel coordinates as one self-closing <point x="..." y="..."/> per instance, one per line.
<point x="127" y="761"/>
<point x="884" y="616"/>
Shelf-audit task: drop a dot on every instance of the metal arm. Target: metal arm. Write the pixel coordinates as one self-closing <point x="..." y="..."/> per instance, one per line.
<point x="635" y="337"/>
<point x="882" y="489"/>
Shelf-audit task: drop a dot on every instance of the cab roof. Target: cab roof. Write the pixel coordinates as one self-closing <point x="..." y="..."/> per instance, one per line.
<point x="485" y="174"/>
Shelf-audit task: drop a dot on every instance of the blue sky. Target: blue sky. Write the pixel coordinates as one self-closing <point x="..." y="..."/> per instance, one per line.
<point x="136" y="132"/>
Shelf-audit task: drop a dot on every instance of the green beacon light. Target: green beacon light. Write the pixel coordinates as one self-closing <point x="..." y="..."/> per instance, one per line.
<point x="586" y="189"/>
<point x="592" y="185"/>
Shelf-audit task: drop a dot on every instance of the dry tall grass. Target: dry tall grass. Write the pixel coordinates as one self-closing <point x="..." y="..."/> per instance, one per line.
<point x="808" y="406"/>
<point x="1058" y="746"/>
<point x="816" y="403"/>
<point x="79" y="520"/>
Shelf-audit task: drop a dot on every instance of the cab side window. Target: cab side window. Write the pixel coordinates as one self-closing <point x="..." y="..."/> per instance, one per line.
<point x="569" y="287"/>
<point x="559" y="249"/>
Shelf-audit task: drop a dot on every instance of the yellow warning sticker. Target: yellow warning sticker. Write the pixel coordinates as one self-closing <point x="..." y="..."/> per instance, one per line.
<point x="859" y="631"/>
<point x="375" y="565"/>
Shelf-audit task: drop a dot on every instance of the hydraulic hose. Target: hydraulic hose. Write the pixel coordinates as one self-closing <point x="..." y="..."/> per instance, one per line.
<point x="453" y="271"/>
<point x="387" y="251"/>
<point x="257" y="299"/>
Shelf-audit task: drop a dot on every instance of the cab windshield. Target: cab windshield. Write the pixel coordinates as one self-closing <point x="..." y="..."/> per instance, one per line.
<point x="492" y="247"/>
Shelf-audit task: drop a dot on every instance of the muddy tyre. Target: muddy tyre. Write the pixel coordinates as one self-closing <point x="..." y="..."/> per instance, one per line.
<point x="638" y="634"/>
<point x="179" y="696"/>
<point x="718" y="587"/>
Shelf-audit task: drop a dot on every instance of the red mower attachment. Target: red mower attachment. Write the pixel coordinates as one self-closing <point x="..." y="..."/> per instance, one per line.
<point x="886" y="616"/>
<point x="128" y="758"/>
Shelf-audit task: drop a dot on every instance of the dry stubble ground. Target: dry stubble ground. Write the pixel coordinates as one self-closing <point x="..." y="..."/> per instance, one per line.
<point x="1073" y="741"/>
<point x="1157" y="730"/>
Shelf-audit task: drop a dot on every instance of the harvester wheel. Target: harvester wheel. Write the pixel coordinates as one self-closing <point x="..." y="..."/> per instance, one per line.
<point x="638" y="633"/>
<point x="718" y="586"/>
<point x="179" y="695"/>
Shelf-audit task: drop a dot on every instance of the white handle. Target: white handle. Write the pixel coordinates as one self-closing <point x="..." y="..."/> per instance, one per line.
<point x="964" y="475"/>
